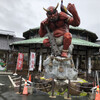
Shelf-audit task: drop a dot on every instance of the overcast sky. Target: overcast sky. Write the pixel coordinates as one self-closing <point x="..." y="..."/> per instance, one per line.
<point x="21" y="15"/>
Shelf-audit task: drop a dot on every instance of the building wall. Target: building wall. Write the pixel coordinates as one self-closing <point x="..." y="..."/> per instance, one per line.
<point x="5" y="49"/>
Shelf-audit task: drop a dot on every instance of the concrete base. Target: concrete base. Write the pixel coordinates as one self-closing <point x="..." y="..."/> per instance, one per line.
<point x="52" y="96"/>
<point x="18" y="93"/>
<point x="67" y="98"/>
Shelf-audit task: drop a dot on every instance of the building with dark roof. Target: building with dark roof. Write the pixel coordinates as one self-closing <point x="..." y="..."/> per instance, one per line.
<point x="82" y="39"/>
<point x="6" y="38"/>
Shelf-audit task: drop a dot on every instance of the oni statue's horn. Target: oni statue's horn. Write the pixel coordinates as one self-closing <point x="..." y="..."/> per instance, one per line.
<point x="57" y="6"/>
<point x="45" y="9"/>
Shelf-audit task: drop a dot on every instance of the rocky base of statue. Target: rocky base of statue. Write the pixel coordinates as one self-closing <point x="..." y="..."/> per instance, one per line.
<point x="59" y="67"/>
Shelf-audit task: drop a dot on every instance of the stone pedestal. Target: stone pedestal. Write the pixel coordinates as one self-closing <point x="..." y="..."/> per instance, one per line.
<point x="60" y="68"/>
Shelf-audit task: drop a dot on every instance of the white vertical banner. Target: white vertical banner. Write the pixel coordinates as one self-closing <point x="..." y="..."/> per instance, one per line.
<point x="32" y="61"/>
<point x="40" y="63"/>
<point x="77" y="62"/>
<point x="89" y="65"/>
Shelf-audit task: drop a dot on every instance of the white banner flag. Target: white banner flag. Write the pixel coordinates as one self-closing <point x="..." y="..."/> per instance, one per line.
<point x="20" y="61"/>
<point x="32" y="61"/>
<point x="40" y="63"/>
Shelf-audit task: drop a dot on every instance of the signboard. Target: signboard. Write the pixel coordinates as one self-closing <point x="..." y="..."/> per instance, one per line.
<point x="32" y="61"/>
<point x="20" y="61"/>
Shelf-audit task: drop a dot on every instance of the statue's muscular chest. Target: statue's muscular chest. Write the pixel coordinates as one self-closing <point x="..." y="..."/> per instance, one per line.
<point x="55" y="25"/>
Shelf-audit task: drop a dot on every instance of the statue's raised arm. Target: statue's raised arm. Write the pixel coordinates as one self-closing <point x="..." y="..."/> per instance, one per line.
<point x="75" y="20"/>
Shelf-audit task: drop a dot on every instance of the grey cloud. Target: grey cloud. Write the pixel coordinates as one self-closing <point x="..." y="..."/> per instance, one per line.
<point x="21" y="15"/>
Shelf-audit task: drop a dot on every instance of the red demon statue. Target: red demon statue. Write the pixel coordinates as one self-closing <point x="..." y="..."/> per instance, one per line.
<point x="58" y="23"/>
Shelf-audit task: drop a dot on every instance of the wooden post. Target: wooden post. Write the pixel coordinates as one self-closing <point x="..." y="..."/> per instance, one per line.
<point x="32" y="78"/>
<point x="80" y="60"/>
<point x="68" y="98"/>
<point x="86" y="64"/>
<point x="7" y="61"/>
<point x="52" y="95"/>
<point x="28" y="60"/>
<point x="16" y="67"/>
<point x="68" y="87"/>
<point x="20" y="91"/>
<point x="7" y="52"/>
<point x="53" y="87"/>
<point x="77" y="58"/>
<point x="97" y="77"/>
